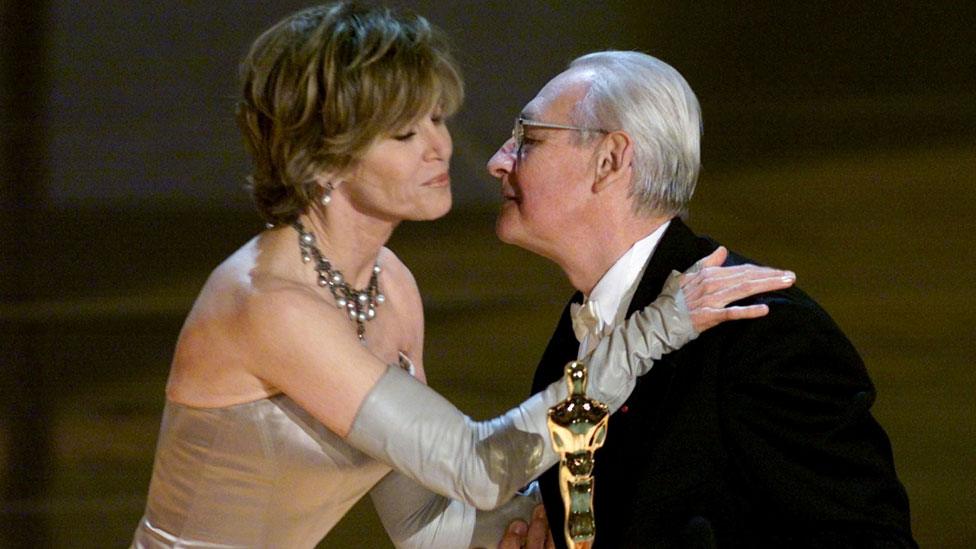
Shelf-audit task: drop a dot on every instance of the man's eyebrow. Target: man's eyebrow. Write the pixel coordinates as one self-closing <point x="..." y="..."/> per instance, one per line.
<point x="528" y="114"/>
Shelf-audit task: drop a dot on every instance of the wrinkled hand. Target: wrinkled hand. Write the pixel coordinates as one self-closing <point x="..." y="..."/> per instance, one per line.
<point x="709" y="287"/>
<point x="529" y="536"/>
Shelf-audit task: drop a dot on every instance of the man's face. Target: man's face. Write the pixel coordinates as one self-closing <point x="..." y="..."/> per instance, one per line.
<point x="546" y="187"/>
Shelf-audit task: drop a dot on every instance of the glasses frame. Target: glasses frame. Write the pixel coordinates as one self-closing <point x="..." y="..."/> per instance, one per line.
<point x="521" y="122"/>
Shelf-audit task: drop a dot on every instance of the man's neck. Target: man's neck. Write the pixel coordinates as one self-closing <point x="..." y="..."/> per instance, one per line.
<point x="593" y="256"/>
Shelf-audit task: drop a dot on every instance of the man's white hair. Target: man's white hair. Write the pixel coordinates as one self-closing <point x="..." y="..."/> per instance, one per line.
<point x="652" y="102"/>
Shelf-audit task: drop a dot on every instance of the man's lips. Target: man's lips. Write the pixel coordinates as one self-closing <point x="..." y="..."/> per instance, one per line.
<point x="441" y="180"/>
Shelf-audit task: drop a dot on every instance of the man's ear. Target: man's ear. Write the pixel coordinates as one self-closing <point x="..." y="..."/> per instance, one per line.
<point x="613" y="160"/>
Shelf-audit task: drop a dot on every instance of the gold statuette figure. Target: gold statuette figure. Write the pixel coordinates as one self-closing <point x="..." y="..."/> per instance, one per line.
<point x="578" y="427"/>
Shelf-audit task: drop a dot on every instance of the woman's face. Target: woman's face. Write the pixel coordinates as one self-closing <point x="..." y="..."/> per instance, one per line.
<point x="404" y="175"/>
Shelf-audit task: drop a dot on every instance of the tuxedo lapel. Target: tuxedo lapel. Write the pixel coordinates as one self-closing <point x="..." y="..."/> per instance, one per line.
<point x="678" y="250"/>
<point x="563" y="347"/>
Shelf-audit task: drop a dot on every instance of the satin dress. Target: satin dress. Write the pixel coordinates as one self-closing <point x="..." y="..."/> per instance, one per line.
<point x="258" y="474"/>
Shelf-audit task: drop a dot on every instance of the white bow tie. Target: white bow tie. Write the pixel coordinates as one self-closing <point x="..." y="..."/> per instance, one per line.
<point x="586" y="319"/>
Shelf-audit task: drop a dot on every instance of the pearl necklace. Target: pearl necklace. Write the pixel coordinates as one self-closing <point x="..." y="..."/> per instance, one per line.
<point x="360" y="305"/>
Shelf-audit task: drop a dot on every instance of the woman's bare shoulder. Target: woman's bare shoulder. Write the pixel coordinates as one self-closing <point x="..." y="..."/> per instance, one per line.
<point x="240" y="307"/>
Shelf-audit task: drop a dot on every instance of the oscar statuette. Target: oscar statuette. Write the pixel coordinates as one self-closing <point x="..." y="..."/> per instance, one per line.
<point x="578" y="427"/>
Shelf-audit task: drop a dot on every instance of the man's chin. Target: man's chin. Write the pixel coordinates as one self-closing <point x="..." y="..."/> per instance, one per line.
<point x="505" y="231"/>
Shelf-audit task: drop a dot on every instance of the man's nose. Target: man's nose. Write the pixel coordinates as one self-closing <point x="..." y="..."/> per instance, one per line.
<point x="503" y="161"/>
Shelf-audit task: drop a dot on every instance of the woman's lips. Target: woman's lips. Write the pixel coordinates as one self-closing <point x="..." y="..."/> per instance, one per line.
<point x="442" y="180"/>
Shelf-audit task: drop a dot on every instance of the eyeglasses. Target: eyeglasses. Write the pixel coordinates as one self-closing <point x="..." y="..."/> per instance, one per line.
<point x="518" y="132"/>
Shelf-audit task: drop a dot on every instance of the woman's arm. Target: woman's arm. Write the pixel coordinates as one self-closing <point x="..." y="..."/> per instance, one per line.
<point x="484" y="463"/>
<point x="416" y="518"/>
<point x="313" y="356"/>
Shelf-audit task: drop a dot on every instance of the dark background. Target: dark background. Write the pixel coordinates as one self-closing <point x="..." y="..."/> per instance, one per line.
<point x="840" y="142"/>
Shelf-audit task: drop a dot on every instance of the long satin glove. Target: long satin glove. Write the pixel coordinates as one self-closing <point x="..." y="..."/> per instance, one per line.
<point x="490" y="526"/>
<point x="631" y="348"/>
<point x="407" y="425"/>
<point x="416" y="518"/>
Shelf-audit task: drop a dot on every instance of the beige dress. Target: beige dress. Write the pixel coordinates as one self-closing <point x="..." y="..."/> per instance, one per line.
<point x="259" y="474"/>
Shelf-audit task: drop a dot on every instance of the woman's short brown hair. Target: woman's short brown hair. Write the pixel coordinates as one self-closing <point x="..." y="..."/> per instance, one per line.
<point x="321" y="85"/>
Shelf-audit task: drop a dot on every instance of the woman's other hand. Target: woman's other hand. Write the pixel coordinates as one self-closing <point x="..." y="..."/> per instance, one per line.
<point x="536" y="535"/>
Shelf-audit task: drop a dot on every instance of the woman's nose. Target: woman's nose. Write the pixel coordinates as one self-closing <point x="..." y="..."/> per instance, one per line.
<point x="439" y="142"/>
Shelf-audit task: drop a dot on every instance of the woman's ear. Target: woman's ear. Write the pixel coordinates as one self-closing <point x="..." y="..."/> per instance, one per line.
<point x="326" y="183"/>
<point x="613" y="160"/>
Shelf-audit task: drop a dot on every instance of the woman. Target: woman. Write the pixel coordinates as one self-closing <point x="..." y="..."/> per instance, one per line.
<point x="281" y="408"/>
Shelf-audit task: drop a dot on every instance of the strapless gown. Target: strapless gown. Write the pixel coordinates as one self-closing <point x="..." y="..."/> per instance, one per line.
<point x="258" y="474"/>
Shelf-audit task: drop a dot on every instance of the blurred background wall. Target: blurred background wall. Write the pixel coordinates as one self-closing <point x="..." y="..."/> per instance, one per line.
<point x="840" y="141"/>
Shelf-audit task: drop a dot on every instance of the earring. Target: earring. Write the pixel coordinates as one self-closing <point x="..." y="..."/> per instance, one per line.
<point x="327" y="193"/>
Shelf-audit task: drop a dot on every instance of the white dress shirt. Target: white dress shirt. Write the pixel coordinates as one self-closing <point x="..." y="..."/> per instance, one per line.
<point x="612" y="294"/>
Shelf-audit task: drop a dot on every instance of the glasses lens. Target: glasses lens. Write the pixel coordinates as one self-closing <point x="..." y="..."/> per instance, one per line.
<point x="518" y="132"/>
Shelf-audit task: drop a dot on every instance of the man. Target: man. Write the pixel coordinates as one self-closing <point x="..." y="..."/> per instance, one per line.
<point x="757" y="434"/>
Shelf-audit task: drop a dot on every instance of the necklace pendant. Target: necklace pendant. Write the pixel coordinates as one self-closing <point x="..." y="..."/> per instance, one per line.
<point x="360" y="305"/>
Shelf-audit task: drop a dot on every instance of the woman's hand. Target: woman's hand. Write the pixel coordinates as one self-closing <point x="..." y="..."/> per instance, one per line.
<point x="536" y="535"/>
<point x="709" y="287"/>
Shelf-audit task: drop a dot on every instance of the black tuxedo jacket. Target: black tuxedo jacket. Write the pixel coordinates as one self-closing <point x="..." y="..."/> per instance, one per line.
<point x="756" y="434"/>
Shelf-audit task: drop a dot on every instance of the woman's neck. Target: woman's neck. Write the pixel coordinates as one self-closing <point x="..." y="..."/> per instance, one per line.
<point x="349" y="239"/>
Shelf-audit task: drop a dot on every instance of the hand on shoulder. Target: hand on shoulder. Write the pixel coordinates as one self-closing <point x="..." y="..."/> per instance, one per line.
<point x="709" y="288"/>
